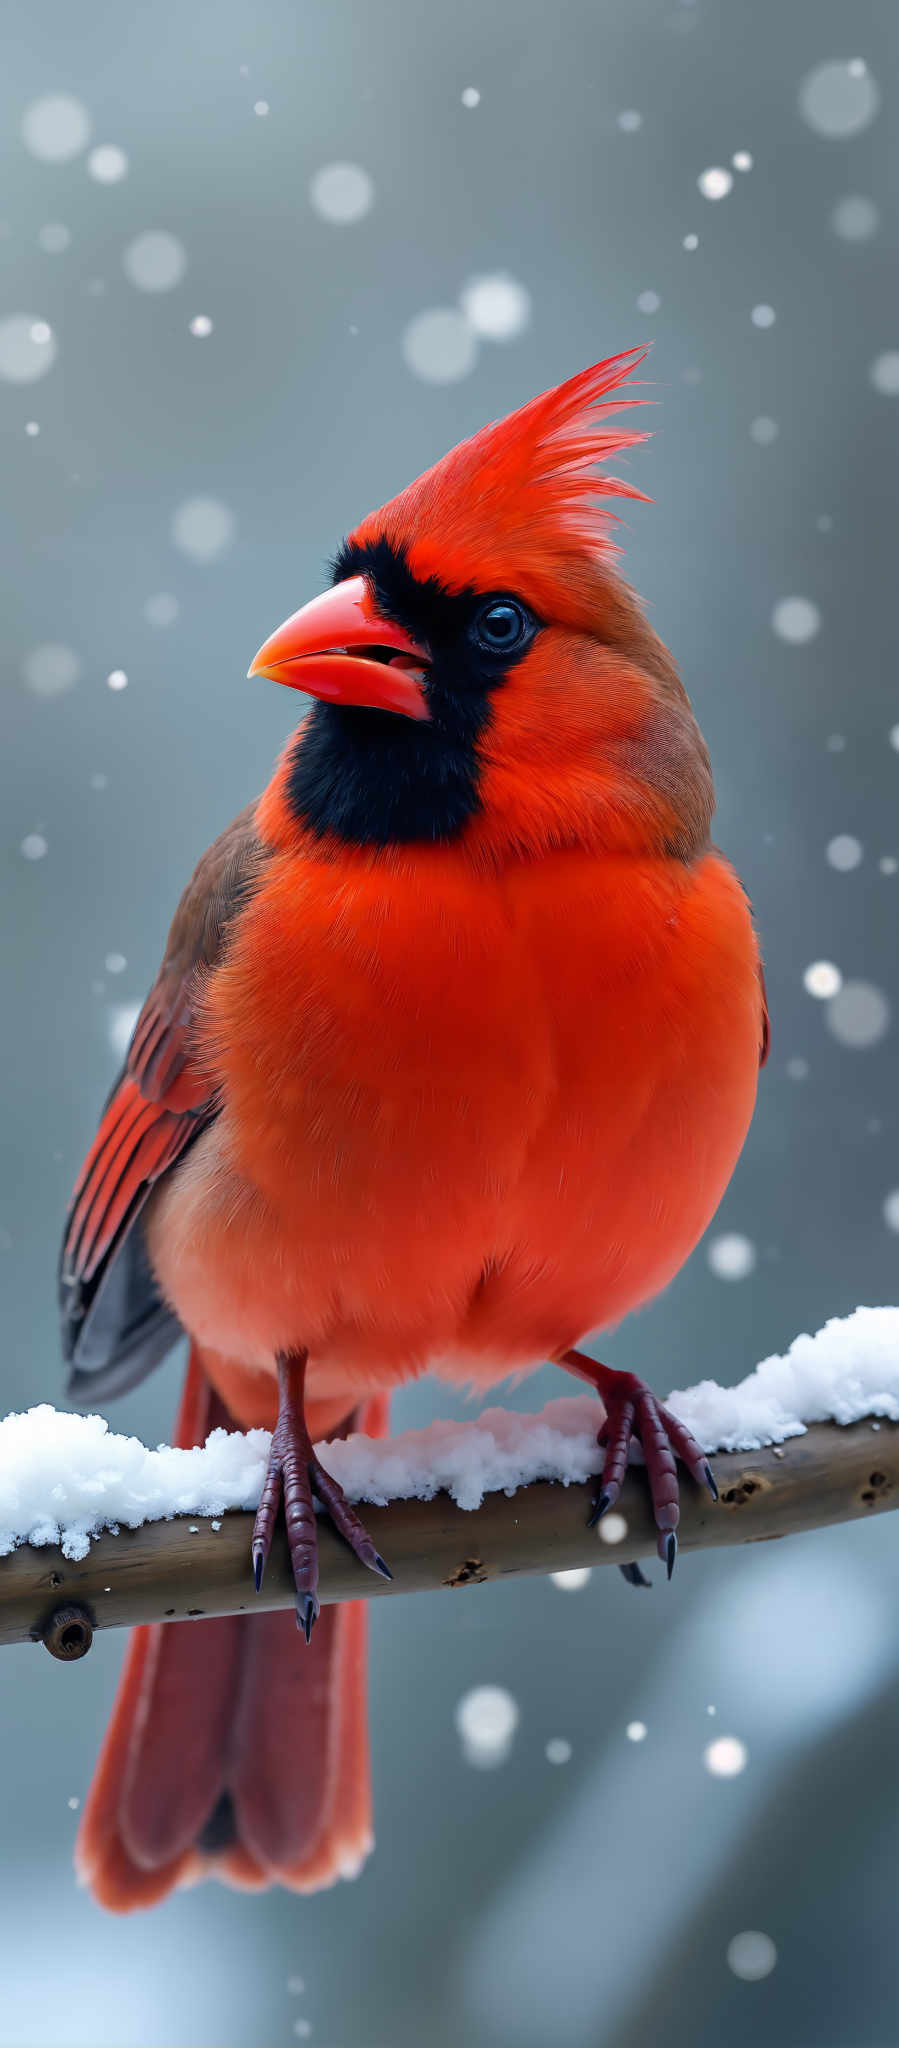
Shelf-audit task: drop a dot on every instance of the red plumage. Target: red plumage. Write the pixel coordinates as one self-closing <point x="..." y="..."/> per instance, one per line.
<point x="451" y="1055"/>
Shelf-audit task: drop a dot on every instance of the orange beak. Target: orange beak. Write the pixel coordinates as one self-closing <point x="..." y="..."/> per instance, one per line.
<point x="312" y="651"/>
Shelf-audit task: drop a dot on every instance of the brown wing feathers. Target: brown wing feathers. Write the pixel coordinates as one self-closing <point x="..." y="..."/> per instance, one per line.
<point x="159" y="1105"/>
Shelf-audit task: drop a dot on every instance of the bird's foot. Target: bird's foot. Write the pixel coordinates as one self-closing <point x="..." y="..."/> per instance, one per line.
<point x="633" y="1411"/>
<point x="295" y="1475"/>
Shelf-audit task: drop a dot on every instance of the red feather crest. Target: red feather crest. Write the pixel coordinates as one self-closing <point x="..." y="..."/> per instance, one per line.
<point x="523" y="489"/>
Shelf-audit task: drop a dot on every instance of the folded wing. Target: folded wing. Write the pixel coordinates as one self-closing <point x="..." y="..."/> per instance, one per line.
<point x="115" y="1324"/>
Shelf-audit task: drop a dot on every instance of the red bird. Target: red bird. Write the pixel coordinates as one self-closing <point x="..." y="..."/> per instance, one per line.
<point x="449" y="1060"/>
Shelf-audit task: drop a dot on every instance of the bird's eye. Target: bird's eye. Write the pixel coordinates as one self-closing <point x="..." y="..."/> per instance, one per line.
<point x="503" y="625"/>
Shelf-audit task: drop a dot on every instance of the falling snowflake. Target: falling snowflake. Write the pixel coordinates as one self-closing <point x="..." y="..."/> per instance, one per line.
<point x="107" y="164"/>
<point x="884" y="373"/>
<point x="795" y="619"/>
<point x="54" y="238"/>
<point x="27" y="348"/>
<point x="486" y="1720"/>
<point x="51" y="669"/>
<point x="497" y="307"/>
<point x="823" y="980"/>
<point x="56" y="128"/>
<point x="855" y="219"/>
<point x="732" y="1256"/>
<point x="203" y="528"/>
<point x="558" y="1750"/>
<point x="839" y="99"/>
<point x="155" y="261"/>
<point x="715" y="183"/>
<point x="858" y="1015"/>
<point x="726" y="1757"/>
<point x="440" y="346"/>
<point x="161" y="609"/>
<point x="844" y="853"/>
<point x="342" y="193"/>
<point x="751" y="1956"/>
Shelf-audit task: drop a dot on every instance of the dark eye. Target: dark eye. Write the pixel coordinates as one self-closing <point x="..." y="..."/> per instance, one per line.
<point x="503" y="625"/>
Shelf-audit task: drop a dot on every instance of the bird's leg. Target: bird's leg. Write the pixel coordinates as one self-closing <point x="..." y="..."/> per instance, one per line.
<point x="632" y="1410"/>
<point x="294" y="1473"/>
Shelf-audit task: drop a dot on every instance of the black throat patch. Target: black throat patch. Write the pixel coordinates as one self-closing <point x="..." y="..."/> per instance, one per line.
<point x="375" y="778"/>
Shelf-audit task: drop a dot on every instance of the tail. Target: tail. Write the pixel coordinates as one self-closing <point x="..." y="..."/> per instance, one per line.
<point x="233" y="1751"/>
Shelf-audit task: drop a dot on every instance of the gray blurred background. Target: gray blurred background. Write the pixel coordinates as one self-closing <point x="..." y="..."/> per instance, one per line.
<point x="172" y="489"/>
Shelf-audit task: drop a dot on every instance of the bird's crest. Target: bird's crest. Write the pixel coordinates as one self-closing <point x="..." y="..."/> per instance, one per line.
<point x="525" y="488"/>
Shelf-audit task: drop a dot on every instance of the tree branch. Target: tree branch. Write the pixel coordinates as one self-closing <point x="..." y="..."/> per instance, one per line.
<point x="171" y="1571"/>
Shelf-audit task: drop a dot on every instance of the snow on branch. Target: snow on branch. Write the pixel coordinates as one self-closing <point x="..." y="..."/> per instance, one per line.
<point x="95" y="1522"/>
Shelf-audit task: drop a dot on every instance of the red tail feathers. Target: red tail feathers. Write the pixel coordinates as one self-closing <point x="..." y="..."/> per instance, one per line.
<point x="233" y="1751"/>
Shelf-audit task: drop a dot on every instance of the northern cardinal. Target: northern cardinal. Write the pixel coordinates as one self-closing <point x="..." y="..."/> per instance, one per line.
<point x="449" y="1060"/>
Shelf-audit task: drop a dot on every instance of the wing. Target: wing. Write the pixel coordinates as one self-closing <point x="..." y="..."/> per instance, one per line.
<point x="115" y="1324"/>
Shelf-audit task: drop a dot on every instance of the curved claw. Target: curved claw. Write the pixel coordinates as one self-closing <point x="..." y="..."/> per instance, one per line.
<point x="308" y="1611"/>
<point x="294" y="1475"/>
<point x="632" y="1410"/>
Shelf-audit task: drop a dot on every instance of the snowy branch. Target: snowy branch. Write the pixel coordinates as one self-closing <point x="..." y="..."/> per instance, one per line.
<point x="97" y="1531"/>
<point x="172" y="1570"/>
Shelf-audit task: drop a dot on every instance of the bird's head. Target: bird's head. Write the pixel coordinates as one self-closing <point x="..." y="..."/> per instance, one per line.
<point x="483" y="671"/>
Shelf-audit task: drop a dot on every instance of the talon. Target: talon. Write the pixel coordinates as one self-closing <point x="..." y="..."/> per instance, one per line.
<point x="633" y="1411"/>
<point x="294" y="1479"/>
<point x="600" y="1507"/>
<point x="308" y="1611"/>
